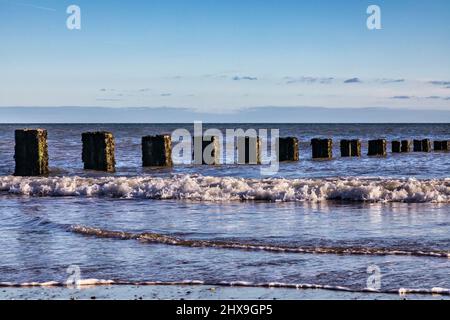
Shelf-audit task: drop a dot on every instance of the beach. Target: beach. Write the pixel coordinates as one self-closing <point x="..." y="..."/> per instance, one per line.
<point x="325" y="229"/>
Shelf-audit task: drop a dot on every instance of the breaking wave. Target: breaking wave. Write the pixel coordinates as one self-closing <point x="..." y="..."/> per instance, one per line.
<point x="244" y="284"/>
<point x="207" y="188"/>
<point x="148" y="237"/>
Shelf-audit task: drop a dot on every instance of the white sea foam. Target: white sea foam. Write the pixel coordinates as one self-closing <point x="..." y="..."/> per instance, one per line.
<point x="207" y="188"/>
<point x="150" y="237"/>
<point x="243" y="284"/>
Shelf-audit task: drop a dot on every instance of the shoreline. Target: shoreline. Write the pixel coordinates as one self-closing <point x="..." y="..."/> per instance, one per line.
<point x="203" y="292"/>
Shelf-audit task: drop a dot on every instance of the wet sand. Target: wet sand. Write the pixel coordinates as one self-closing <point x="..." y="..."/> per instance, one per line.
<point x="193" y="293"/>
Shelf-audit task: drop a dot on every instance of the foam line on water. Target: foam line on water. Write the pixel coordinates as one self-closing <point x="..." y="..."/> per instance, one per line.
<point x="241" y="284"/>
<point x="148" y="237"/>
<point x="207" y="188"/>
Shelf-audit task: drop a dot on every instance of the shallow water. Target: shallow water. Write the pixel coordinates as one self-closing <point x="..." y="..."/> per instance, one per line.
<point x="407" y="239"/>
<point x="134" y="292"/>
<point x="65" y="150"/>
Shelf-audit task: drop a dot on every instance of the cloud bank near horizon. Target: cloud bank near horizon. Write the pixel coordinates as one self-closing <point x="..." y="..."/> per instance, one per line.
<point x="224" y="93"/>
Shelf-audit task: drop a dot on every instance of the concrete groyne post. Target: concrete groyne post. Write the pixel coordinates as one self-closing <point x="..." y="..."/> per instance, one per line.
<point x="249" y="150"/>
<point x="377" y="147"/>
<point x="350" y="148"/>
<point x="98" y="151"/>
<point x="31" y="152"/>
<point x="157" y="151"/>
<point x="322" y="148"/>
<point x="288" y="149"/>
<point x="423" y="145"/>
<point x="441" y="145"/>
<point x="206" y="150"/>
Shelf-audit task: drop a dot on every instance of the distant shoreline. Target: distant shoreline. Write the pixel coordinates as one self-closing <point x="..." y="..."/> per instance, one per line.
<point x="257" y="115"/>
<point x="223" y="123"/>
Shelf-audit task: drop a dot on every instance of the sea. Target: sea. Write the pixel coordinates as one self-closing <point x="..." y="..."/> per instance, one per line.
<point x="369" y="226"/>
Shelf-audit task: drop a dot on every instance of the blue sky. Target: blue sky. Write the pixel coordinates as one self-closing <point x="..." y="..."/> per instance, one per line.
<point x="219" y="56"/>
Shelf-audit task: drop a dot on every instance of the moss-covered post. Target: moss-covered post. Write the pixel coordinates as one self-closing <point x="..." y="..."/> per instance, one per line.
<point x="423" y="145"/>
<point x="406" y="146"/>
<point x="31" y="152"/>
<point x="426" y="145"/>
<point x="98" y="151"/>
<point x="441" y="145"/>
<point x="377" y="147"/>
<point x="206" y="150"/>
<point x="288" y="149"/>
<point x="157" y="151"/>
<point x="396" y="146"/>
<point x="417" y="145"/>
<point x="249" y="150"/>
<point x="322" y="148"/>
<point x="437" y="145"/>
<point x="350" y="148"/>
<point x="401" y="146"/>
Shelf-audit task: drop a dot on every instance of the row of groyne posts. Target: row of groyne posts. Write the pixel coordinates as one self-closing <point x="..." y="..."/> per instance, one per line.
<point x="31" y="151"/>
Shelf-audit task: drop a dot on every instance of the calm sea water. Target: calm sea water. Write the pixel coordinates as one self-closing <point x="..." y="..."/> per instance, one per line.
<point x="318" y="222"/>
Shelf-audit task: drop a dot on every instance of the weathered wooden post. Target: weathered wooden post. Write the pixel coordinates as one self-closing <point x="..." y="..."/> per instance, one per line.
<point x="31" y="152"/>
<point x="288" y="149"/>
<point x="437" y="145"/>
<point x="423" y="145"/>
<point x="322" y="148"/>
<point x="350" y="148"/>
<point x="426" y="145"/>
<point x="157" y="151"/>
<point x="406" y="146"/>
<point x="396" y="146"/>
<point x="441" y="145"/>
<point x="400" y="146"/>
<point x="207" y="150"/>
<point x="417" y="145"/>
<point x="377" y="147"/>
<point x="249" y="150"/>
<point x="98" y="151"/>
